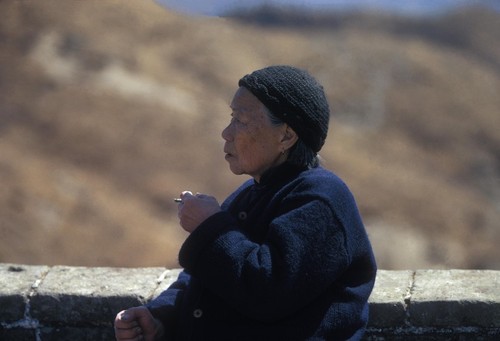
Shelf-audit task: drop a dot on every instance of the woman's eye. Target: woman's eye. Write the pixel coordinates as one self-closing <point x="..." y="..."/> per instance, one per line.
<point x="235" y="119"/>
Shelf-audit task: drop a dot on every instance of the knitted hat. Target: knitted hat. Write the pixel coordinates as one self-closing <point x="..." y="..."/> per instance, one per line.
<point x="295" y="97"/>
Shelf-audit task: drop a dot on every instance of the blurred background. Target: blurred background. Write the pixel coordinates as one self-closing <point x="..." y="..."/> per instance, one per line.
<point x="108" y="109"/>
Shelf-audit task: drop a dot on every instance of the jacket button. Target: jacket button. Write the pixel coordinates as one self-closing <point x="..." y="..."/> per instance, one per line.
<point x="197" y="313"/>
<point x="242" y="215"/>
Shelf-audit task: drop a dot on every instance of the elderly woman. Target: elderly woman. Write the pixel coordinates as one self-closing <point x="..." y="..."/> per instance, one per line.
<point x="286" y="256"/>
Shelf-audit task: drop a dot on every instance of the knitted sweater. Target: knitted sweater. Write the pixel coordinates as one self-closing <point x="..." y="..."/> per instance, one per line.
<point x="287" y="259"/>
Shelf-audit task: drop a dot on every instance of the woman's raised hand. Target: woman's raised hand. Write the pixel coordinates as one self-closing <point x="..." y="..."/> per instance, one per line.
<point x="194" y="209"/>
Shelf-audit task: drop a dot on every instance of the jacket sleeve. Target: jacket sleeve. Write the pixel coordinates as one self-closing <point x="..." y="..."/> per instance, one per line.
<point x="165" y="306"/>
<point x="302" y="255"/>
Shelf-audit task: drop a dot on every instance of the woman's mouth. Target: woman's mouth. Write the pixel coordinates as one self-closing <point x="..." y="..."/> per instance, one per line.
<point x="228" y="154"/>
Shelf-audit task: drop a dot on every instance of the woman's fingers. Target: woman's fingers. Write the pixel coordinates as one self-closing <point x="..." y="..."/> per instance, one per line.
<point x="127" y="325"/>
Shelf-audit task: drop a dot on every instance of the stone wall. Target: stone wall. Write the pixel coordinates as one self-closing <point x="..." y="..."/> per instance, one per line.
<point x="77" y="303"/>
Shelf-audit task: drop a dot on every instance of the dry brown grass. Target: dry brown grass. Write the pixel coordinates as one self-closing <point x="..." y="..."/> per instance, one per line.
<point x="109" y="109"/>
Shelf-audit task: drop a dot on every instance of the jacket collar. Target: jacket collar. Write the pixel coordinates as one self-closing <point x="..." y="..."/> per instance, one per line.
<point x="279" y="175"/>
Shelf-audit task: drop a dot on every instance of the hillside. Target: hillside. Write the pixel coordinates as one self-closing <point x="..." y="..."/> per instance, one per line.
<point x="109" y="109"/>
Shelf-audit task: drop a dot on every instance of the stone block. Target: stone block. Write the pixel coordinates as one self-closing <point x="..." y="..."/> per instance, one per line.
<point x="78" y="303"/>
<point x="456" y="298"/>
<point x="387" y="301"/>
<point x="168" y="277"/>
<point x="16" y="282"/>
<point x="77" y="333"/>
<point x="17" y="334"/>
<point x="78" y="295"/>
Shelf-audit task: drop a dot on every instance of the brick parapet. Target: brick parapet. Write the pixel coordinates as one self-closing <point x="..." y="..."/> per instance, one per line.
<point x="79" y="303"/>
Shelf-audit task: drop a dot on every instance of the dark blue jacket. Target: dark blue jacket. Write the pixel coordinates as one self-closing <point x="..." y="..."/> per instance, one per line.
<point x="287" y="259"/>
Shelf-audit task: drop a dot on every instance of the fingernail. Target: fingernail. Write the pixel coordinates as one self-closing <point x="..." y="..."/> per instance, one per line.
<point x="124" y="317"/>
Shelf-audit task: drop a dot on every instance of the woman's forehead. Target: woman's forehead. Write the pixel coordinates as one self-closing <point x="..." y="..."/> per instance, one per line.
<point x="244" y="100"/>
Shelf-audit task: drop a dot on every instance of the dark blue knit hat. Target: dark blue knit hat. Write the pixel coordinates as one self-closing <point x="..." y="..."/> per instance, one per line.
<point x="295" y="97"/>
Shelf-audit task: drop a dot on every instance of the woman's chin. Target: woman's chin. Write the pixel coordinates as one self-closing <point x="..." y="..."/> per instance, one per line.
<point x="235" y="169"/>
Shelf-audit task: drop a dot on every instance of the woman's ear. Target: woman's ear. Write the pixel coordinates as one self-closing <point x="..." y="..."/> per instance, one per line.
<point x="289" y="138"/>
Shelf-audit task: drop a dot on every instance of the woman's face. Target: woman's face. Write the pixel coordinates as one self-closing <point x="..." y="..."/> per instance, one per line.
<point x="253" y="144"/>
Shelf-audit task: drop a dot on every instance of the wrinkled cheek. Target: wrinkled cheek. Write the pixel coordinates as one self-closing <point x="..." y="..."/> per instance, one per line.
<point x="244" y="163"/>
<point x="248" y="151"/>
<point x="240" y="166"/>
<point x="234" y="165"/>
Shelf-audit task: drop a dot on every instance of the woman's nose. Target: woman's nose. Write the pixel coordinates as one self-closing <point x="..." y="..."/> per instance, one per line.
<point x="226" y="134"/>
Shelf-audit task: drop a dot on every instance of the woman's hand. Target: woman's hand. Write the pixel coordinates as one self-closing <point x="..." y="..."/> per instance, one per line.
<point x="194" y="209"/>
<point x="137" y="324"/>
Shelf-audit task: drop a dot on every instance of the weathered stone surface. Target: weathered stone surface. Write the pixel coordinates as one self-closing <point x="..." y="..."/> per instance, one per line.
<point x="16" y="282"/>
<point x="387" y="302"/>
<point x="455" y="298"/>
<point x="414" y="334"/>
<point x="167" y="278"/>
<point x="77" y="303"/>
<point x="78" y="333"/>
<point x="75" y="295"/>
<point x="17" y="334"/>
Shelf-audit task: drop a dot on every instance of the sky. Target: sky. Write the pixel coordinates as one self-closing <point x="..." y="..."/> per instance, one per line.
<point x="409" y="7"/>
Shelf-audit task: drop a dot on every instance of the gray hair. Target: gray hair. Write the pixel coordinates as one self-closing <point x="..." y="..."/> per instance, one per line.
<point x="300" y="154"/>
